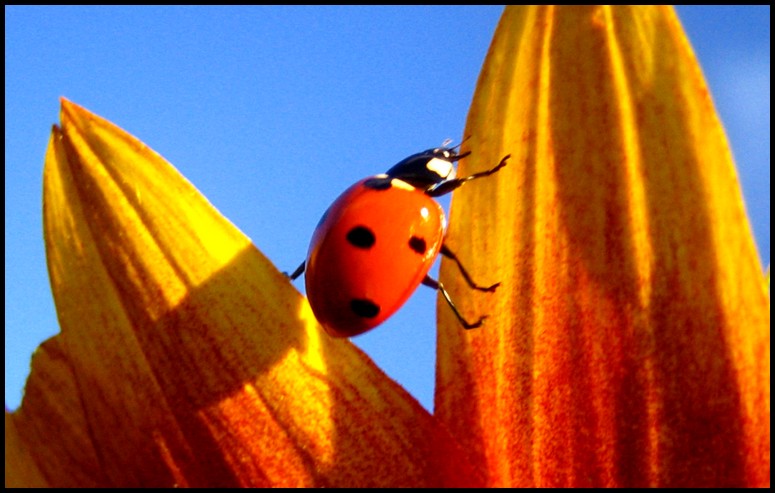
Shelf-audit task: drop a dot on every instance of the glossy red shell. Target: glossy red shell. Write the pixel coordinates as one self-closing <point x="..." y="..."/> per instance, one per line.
<point x="388" y="271"/>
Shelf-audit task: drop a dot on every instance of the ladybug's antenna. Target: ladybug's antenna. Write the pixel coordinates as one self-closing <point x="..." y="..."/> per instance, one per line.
<point x="455" y="148"/>
<point x="447" y="142"/>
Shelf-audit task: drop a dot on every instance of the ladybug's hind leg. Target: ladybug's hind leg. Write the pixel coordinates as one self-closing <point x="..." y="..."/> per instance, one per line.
<point x="299" y="271"/>
<point x="432" y="283"/>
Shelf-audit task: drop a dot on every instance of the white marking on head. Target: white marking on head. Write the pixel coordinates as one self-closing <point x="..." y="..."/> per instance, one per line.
<point x="445" y="152"/>
<point x="441" y="167"/>
<point x="401" y="184"/>
<point x="424" y="213"/>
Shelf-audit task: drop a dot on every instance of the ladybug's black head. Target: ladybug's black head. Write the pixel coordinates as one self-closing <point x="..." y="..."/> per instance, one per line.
<point x="426" y="169"/>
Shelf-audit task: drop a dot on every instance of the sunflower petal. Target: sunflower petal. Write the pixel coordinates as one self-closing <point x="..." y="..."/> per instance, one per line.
<point x="185" y="358"/>
<point x="629" y="342"/>
<point x="20" y="468"/>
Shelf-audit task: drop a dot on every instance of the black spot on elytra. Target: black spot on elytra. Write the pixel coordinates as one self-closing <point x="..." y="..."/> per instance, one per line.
<point x="364" y="308"/>
<point x="378" y="183"/>
<point x="361" y="237"/>
<point x="417" y="244"/>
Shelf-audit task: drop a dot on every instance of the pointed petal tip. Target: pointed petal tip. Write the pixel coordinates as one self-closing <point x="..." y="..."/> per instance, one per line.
<point x="66" y="105"/>
<point x="621" y="235"/>
<point x="147" y="275"/>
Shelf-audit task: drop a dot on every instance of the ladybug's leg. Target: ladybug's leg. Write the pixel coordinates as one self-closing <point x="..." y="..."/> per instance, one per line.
<point x="299" y="271"/>
<point x="447" y="186"/>
<point x="432" y="283"/>
<point x="450" y="255"/>
<point x="462" y="155"/>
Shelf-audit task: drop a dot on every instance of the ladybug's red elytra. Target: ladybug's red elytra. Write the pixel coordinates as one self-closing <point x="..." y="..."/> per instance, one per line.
<point x="376" y="243"/>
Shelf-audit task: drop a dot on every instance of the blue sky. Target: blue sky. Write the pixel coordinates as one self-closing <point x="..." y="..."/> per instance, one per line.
<point x="272" y="111"/>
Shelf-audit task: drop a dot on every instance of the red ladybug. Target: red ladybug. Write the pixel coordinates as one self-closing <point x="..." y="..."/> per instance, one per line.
<point x="378" y="240"/>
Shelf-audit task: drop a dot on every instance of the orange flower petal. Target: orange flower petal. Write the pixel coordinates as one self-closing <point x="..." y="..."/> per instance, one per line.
<point x="185" y="358"/>
<point x="20" y="468"/>
<point x="629" y="344"/>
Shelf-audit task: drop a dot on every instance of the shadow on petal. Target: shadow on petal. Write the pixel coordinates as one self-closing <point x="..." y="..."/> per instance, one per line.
<point x="185" y="358"/>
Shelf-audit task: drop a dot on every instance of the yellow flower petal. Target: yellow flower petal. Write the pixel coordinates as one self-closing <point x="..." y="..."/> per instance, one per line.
<point x="20" y="468"/>
<point x="185" y="358"/>
<point x="629" y="342"/>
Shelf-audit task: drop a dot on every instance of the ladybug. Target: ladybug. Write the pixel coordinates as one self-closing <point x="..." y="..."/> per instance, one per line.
<point x="376" y="243"/>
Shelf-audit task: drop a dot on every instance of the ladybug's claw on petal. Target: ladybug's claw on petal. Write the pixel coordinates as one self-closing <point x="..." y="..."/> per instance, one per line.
<point x="491" y="289"/>
<point x="299" y="271"/>
<point x="475" y="325"/>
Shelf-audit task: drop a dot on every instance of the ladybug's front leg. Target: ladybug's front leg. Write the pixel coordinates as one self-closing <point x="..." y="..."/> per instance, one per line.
<point x="445" y="187"/>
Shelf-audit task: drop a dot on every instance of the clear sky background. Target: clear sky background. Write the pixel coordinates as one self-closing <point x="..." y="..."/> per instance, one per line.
<point x="271" y="112"/>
